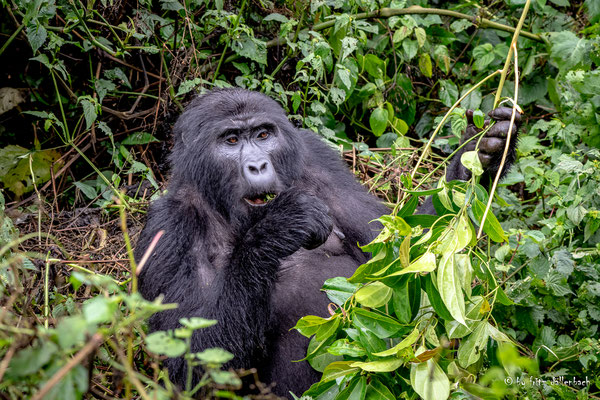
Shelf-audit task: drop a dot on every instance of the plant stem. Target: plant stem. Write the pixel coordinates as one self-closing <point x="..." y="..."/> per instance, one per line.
<point x="508" y="141"/>
<point x="46" y="296"/>
<point x="513" y="45"/>
<point x="11" y="38"/>
<point x="443" y="121"/>
<point x="129" y="248"/>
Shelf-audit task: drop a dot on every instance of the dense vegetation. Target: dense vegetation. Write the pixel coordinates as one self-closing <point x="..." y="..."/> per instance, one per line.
<point x="90" y="90"/>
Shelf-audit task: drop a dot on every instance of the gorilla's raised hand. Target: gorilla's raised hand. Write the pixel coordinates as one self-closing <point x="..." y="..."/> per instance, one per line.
<point x="491" y="146"/>
<point x="293" y="220"/>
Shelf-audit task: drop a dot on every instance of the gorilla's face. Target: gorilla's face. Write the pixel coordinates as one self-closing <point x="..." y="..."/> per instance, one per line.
<point x="239" y="148"/>
<point x="248" y="144"/>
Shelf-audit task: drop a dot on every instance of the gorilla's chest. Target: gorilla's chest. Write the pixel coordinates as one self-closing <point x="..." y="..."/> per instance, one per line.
<point x="301" y="276"/>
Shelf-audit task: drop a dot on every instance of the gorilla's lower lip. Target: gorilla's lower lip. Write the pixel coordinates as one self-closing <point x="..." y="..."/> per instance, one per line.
<point x="260" y="199"/>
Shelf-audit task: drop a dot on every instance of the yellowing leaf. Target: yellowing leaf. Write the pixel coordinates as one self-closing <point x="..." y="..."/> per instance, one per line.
<point x="424" y="264"/>
<point x="470" y="159"/>
<point x="387" y="365"/>
<point x="406" y="342"/>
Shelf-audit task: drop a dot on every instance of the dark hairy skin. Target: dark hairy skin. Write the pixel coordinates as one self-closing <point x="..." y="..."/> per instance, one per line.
<point x="257" y="216"/>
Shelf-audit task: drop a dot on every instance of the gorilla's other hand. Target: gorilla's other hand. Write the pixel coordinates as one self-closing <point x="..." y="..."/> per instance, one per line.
<point x="293" y="220"/>
<point x="491" y="146"/>
<point x="493" y="142"/>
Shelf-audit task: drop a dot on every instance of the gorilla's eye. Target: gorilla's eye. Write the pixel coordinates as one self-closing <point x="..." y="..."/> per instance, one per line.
<point x="263" y="135"/>
<point x="232" y="139"/>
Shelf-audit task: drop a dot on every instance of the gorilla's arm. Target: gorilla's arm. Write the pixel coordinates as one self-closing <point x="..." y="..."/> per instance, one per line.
<point x="236" y="291"/>
<point x="490" y="153"/>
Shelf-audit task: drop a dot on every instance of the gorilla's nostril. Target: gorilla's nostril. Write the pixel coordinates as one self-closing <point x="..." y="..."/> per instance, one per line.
<point x="252" y="169"/>
<point x="264" y="166"/>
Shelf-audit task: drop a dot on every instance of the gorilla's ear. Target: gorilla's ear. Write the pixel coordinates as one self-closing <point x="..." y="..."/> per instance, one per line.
<point x="188" y="124"/>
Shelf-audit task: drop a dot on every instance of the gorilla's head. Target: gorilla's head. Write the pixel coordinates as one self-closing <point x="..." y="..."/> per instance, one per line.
<point x="238" y="148"/>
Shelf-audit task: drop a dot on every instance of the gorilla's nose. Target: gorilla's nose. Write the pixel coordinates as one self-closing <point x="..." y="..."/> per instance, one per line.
<point x="259" y="173"/>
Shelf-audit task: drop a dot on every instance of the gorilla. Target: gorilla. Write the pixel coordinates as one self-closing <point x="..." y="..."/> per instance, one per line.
<point x="257" y="216"/>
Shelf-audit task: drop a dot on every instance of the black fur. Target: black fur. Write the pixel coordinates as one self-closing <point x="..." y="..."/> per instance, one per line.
<point x="257" y="270"/>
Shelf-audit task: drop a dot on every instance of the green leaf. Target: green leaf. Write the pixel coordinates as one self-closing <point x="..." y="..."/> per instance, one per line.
<point x="410" y="48"/>
<point x="474" y="345"/>
<point x="378" y="391"/>
<point x="406" y="342"/>
<point x="139" y="138"/>
<point x="162" y="343"/>
<point x="593" y="10"/>
<point x="401" y="301"/>
<point x="214" y="356"/>
<point x="251" y="48"/>
<point x="195" y="323"/>
<point x="448" y="92"/>
<point x="103" y="87"/>
<point x="373" y="295"/>
<point x="355" y="390"/>
<point x="276" y="17"/>
<point x="380" y="325"/>
<point x="99" y="309"/>
<point x="429" y="380"/>
<point x="470" y="160"/>
<point x="36" y="34"/>
<point x="31" y="359"/>
<point x="89" y="112"/>
<point x="576" y="213"/>
<point x="473" y="99"/>
<point x="478" y="118"/>
<point x="339" y="290"/>
<point x="343" y="347"/>
<point x="320" y="327"/>
<point x="563" y="261"/>
<point x="450" y="288"/>
<point x="187" y="86"/>
<point x="491" y="226"/>
<point x="378" y="121"/>
<point x="386" y="365"/>
<point x="483" y="56"/>
<point x="318" y="355"/>
<point x="88" y="190"/>
<point x="567" y="50"/>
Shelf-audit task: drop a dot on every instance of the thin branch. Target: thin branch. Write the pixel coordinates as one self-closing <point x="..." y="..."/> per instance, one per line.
<point x="506" y="146"/>
<point x="390" y="12"/>
<point x="91" y="346"/>
<point x="513" y="45"/>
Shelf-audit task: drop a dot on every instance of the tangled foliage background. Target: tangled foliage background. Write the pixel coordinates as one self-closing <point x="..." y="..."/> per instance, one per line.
<point x="90" y="91"/>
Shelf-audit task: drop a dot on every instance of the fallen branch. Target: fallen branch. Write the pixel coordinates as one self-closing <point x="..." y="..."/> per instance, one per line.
<point x="92" y="345"/>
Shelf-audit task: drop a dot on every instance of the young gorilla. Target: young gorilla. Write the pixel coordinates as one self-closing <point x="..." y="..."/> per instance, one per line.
<point x="257" y="216"/>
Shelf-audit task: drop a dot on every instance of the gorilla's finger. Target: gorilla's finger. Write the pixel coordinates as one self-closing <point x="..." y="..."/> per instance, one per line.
<point x="500" y="129"/>
<point x="469" y="115"/>
<point x="470" y="132"/>
<point x="492" y="145"/>
<point x="471" y="145"/>
<point x="504" y="113"/>
<point x="485" y="159"/>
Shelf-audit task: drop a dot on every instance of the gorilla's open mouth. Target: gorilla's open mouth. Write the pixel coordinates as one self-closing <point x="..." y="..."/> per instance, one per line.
<point x="260" y="199"/>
